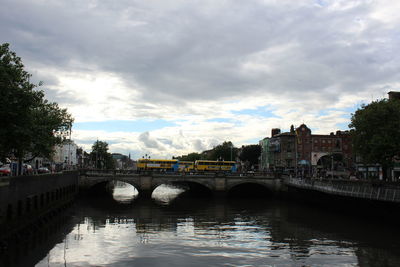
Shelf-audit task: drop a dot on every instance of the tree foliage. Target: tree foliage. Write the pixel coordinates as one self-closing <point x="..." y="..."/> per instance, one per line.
<point x="250" y="153"/>
<point x="376" y="131"/>
<point x="190" y="157"/>
<point x="30" y="124"/>
<point x="100" y="156"/>
<point x="225" y="151"/>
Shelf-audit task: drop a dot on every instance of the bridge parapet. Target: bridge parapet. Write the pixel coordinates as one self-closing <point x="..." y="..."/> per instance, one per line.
<point x="146" y="182"/>
<point x="129" y="173"/>
<point x="381" y="191"/>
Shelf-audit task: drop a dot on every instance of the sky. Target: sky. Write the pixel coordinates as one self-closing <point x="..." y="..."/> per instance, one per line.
<point x="171" y="77"/>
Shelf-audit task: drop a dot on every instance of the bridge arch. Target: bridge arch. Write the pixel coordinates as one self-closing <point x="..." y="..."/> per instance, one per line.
<point x="194" y="188"/>
<point x="99" y="186"/>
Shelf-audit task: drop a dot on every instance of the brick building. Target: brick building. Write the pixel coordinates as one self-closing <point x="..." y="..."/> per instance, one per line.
<point x="300" y="149"/>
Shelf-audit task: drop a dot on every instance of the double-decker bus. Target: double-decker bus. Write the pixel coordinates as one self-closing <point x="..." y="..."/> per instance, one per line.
<point x="185" y="166"/>
<point x="215" y="165"/>
<point x="157" y="164"/>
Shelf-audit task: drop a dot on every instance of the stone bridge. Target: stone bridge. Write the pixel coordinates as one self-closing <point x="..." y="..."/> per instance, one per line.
<point x="218" y="183"/>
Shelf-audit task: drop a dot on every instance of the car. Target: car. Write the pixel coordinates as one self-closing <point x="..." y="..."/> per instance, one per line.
<point x="5" y="170"/>
<point x="43" y="170"/>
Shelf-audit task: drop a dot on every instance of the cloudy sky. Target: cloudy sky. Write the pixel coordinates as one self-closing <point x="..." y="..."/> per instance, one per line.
<point x="167" y="78"/>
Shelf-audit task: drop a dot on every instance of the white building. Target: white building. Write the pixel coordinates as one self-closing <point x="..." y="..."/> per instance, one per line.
<point x="66" y="154"/>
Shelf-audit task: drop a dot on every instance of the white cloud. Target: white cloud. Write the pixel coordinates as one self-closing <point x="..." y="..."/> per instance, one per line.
<point x="197" y="63"/>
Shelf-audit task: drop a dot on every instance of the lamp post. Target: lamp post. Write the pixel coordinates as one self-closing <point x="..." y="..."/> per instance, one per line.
<point x="146" y="157"/>
<point x="69" y="143"/>
<point x="332" y="167"/>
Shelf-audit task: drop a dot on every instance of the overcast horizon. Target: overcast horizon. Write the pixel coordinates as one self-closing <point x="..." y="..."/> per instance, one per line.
<point x="167" y="78"/>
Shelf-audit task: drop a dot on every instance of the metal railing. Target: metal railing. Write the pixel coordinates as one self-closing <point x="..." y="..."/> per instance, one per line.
<point x="366" y="190"/>
<point x="111" y="173"/>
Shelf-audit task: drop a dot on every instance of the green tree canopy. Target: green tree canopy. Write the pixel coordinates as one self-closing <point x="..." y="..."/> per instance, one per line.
<point x="376" y="132"/>
<point x="189" y="157"/>
<point x="100" y="156"/>
<point x="250" y="153"/>
<point x="225" y="151"/>
<point x="30" y="124"/>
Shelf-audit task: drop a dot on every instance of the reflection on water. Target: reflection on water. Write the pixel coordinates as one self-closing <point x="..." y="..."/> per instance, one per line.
<point x="164" y="194"/>
<point x="206" y="232"/>
<point x="123" y="192"/>
<point x="126" y="193"/>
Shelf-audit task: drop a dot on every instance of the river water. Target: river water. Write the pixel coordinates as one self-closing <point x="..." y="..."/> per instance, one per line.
<point x="169" y="231"/>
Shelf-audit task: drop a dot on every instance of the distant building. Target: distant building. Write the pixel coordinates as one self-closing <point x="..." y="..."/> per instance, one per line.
<point x="83" y="158"/>
<point x="394" y="95"/>
<point x="123" y="162"/>
<point x="300" y="149"/>
<point x="265" y="160"/>
<point x="66" y="154"/>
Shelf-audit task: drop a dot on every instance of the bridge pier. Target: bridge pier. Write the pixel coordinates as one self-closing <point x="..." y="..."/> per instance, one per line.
<point x="220" y="194"/>
<point x="144" y="194"/>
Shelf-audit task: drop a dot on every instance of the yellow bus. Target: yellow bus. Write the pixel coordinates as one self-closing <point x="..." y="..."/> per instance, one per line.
<point x="215" y="165"/>
<point x="157" y="164"/>
<point x="185" y="166"/>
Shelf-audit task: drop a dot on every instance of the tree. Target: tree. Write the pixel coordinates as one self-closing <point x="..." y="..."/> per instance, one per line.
<point x="30" y="124"/>
<point x="189" y="157"/>
<point x="375" y="132"/>
<point x="250" y="153"/>
<point x="225" y="151"/>
<point x="100" y="156"/>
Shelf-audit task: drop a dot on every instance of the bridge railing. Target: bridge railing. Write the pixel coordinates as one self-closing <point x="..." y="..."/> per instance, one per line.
<point x="358" y="189"/>
<point x="111" y="173"/>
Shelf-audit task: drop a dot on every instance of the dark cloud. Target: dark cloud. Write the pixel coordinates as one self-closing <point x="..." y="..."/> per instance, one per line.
<point x="197" y="51"/>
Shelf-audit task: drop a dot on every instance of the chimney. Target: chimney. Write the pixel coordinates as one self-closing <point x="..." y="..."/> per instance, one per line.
<point x="275" y="131"/>
<point x="394" y="95"/>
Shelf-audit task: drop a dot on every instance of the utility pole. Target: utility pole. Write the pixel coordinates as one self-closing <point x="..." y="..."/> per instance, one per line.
<point x="295" y="155"/>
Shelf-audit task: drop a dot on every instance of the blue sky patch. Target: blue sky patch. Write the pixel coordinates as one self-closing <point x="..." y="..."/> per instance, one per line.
<point x="348" y="110"/>
<point x="253" y="141"/>
<point x="264" y="111"/>
<point x="122" y="125"/>
<point x="343" y="125"/>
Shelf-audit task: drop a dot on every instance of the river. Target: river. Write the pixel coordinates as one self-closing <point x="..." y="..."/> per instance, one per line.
<point x="169" y="231"/>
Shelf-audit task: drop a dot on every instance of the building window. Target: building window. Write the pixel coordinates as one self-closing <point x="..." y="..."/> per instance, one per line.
<point x="337" y="143"/>
<point x="289" y="147"/>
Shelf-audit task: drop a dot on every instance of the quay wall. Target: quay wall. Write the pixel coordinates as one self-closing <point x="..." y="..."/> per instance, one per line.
<point x="25" y="199"/>
<point x="371" y="200"/>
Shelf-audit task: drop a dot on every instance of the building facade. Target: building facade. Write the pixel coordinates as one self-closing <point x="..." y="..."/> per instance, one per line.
<point x="312" y="154"/>
<point x="66" y="155"/>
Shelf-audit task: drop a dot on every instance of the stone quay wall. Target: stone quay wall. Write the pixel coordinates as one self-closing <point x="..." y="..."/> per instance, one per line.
<point x="25" y="199"/>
